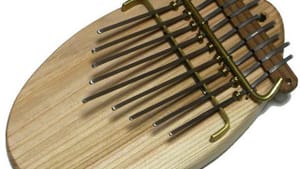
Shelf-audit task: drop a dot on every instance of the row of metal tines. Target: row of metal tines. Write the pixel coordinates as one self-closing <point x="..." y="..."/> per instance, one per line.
<point x="180" y="61"/>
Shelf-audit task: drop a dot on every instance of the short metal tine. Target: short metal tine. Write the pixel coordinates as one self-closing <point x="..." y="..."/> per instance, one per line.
<point x="209" y="113"/>
<point x="219" y="10"/>
<point x="204" y="4"/>
<point x="260" y="30"/>
<point x="273" y="69"/>
<point x="250" y="36"/>
<point x="275" y="51"/>
<point x="207" y="81"/>
<point x="246" y="7"/>
<point x="235" y="13"/>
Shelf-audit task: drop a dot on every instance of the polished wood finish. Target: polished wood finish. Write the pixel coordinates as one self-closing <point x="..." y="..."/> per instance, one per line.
<point x="49" y="127"/>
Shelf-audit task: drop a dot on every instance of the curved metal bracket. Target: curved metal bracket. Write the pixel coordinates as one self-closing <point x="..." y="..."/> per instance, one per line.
<point x="203" y="25"/>
<point x="130" y="4"/>
<point x="221" y="132"/>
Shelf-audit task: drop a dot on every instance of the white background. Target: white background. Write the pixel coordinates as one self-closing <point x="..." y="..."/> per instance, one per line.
<point x="31" y="30"/>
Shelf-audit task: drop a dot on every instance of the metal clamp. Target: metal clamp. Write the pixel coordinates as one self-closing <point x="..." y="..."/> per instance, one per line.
<point x="227" y="59"/>
<point x="219" y="134"/>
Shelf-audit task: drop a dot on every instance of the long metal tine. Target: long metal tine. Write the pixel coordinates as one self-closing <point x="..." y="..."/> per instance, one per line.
<point x="144" y="17"/>
<point x="161" y="54"/>
<point x="201" y="101"/>
<point x="159" y="40"/>
<point x="164" y="68"/>
<point x="169" y="51"/>
<point x="109" y="58"/>
<point x="169" y="82"/>
<point x="149" y="30"/>
<point x="245" y="57"/>
<point x="190" y="56"/>
<point x="237" y="96"/>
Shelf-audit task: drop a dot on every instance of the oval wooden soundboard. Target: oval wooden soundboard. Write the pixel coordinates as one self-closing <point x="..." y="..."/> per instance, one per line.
<point x="50" y="127"/>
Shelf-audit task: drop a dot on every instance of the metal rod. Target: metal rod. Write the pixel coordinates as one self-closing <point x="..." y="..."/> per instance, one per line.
<point x="167" y="23"/>
<point x="190" y="56"/>
<point x="225" y="103"/>
<point x="208" y="80"/>
<point x="161" y="54"/>
<point x="201" y="100"/>
<point x="153" y="42"/>
<point x="169" y="51"/>
<point x="144" y="16"/>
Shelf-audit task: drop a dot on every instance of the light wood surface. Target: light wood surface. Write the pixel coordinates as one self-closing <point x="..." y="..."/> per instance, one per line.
<point x="49" y="127"/>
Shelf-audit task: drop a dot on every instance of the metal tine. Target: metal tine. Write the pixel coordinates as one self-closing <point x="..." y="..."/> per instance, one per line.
<point x="148" y="15"/>
<point x="159" y="55"/>
<point x="151" y="29"/>
<point x="219" y="10"/>
<point x="190" y="56"/>
<point x="251" y="36"/>
<point x="167" y="52"/>
<point x="233" y="14"/>
<point x="187" y="91"/>
<point x="235" y="97"/>
<point x="123" y="84"/>
<point x="178" y="96"/>
<point x="273" y="69"/>
<point x="262" y="45"/>
<point x="144" y="16"/>
<point x="246" y="7"/>
<point x="117" y="55"/>
<point x="205" y="98"/>
<point x="164" y="68"/>
<point x="169" y="82"/>
<point x="159" y="40"/>
<point x="252" y="52"/>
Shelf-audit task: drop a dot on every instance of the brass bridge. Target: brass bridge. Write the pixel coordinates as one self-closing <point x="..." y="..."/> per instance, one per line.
<point x="205" y="31"/>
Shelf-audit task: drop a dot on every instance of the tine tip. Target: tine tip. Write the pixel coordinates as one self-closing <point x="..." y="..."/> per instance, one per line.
<point x="114" y="108"/>
<point x="94" y="65"/>
<point x="94" y="50"/>
<point x="91" y="82"/>
<point x="99" y="32"/>
<point x="84" y="101"/>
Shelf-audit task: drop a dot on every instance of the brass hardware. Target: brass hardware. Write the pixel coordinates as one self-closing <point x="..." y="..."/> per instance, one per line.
<point x="224" y="70"/>
<point x="219" y="58"/>
<point x="220" y="133"/>
<point x="129" y="4"/>
<point x="174" y="5"/>
<point x="235" y="81"/>
<point x="211" y="47"/>
<point x="187" y="14"/>
<point x="227" y="59"/>
<point x="201" y="37"/>
<point x="193" y="25"/>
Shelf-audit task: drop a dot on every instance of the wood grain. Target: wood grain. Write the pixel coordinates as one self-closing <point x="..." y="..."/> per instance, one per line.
<point x="49" y="127"/>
